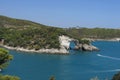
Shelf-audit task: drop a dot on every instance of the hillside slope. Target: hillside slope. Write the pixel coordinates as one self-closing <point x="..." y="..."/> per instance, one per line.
<point x="28" y="34"/>
<point x="94" y="33"/>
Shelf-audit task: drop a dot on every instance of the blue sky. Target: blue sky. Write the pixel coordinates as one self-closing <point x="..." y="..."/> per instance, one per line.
<point x="65" y="13"/>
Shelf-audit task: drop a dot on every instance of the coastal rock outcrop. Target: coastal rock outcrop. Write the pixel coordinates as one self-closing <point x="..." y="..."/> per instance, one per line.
<point x="86" y="47"/>
<point x="65" y="44"/>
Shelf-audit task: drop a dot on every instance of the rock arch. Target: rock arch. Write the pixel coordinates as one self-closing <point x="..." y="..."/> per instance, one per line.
<point x="65" y="44"/>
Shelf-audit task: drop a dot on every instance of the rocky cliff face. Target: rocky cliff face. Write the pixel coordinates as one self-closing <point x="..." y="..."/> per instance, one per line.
<point x="64" y="41"/>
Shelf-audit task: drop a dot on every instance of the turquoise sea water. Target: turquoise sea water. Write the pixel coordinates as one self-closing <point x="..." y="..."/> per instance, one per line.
<point x="76" y="66"/>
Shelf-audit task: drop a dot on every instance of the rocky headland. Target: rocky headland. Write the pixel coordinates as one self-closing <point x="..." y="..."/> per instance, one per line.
<point x="64" y="47"/>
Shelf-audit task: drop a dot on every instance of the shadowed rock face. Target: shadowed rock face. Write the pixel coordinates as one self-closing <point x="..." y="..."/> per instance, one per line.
<point x="1" y="41"/>
<point x="87" y="47"/>
<point x="0" y="70"/>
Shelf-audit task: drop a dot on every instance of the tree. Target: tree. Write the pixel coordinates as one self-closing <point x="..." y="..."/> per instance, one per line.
<point x="7" y="77"/>
<point x="5" y="57"/>
<point x="116" y="76"/>
<point x="52" y="78"/>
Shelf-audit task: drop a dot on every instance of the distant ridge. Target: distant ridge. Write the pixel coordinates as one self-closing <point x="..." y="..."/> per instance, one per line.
<point x="17" y="22"/>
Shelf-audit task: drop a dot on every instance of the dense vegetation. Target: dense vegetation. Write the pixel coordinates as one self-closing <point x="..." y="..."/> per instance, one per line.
<point x="8" y="77"/>
<point x="95" y="33"/>
<point x="27" y="34"/>
<point x="116" y="76"/>
<point x="52" y="78"/>
<point x="5" y="57"/>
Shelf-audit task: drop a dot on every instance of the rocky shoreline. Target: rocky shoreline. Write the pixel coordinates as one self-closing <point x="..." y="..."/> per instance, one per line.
<point x="51" y="51"/>
<point x="113" y="39"/>
<point x="86" y="47"/>
<point x="64" y="47"/>
<point x="64" y="42"/>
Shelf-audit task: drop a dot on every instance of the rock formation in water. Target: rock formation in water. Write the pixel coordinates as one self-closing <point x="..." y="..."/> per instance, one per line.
<point x="65" y="43"/>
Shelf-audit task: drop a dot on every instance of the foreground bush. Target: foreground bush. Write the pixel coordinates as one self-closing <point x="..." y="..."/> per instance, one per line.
<point x="8" y="77"/>
<point x="116" y="76"/>
<point x="5" y="57"/>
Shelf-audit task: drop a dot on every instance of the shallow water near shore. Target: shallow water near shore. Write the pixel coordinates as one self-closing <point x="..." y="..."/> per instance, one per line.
<point x="76" y="66"/>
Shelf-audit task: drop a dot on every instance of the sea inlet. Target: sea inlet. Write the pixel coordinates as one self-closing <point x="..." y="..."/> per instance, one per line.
<point x="77" y="65"/>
